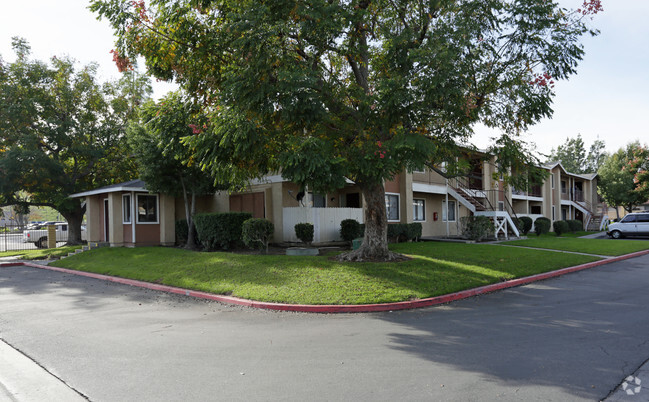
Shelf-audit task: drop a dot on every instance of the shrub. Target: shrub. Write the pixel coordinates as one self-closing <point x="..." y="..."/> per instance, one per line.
<point x="575" y="225"/>
<point x="542" y="225"/>
<point x="560" y="227"/>
<point x="181" y="231"/>
<point x="526" y="224"/>
<point x="477" y="227"/>
<point x="304" y="232"/>
<point x="257" y="233"/>
<point x="350" y="229"/>
<point x="220" y="230"/>
<point x="413" y="231"/>
<point x="398" y="232"/>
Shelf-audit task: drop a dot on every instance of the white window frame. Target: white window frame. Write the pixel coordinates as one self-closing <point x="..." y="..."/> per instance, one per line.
<point x="445" y="211"/>
<point x="124" y="206"/>
<point x="137" y="206"/>
<point x="423" y="206"/>
<point x="398" y="207"/>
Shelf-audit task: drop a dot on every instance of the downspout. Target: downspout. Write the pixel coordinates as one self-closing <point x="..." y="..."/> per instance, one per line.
<point x="446" y="206"/>
<point x="133" y="217"/>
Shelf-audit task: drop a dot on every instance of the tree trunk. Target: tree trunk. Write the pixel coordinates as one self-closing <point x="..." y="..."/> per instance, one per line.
<point x="191" y="228"/>
<point x="74" y="219"/>
<point x="375" y="242"/>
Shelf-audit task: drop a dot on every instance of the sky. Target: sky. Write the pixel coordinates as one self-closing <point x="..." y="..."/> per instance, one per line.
<point x="607" y="99"/>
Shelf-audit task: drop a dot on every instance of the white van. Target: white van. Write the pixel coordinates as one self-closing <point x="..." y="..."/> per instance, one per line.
<point x="634" y="224"/>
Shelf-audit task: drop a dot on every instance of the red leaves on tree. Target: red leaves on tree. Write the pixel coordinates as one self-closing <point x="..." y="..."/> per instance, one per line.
<point x="543" y="80"/>
<point x="140" y="7"/>
<point x="122" y="62"/>
<point x="195" y="129"/>
<point x="591" y="7"/>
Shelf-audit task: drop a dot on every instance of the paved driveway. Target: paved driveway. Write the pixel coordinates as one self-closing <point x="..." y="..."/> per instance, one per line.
<point x="570" y="338"/>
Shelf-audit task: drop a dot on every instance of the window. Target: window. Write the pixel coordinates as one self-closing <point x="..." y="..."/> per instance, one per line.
<point x="501" y="205"/>
<point x="629" y="218"/>
<point x="448" y="212"/>
<point x="564" y="214"/>
<point x="552" y="177"/>
<point x="317" y="200"/>
<point x="535" y="209"/>
<point x="392" y="207"/>
<point x="564" y="187"/>
<point x="553" y="212"/>
<point x="419" y="210"/>
<point x="643" y="218"/>
<point x="147" y="208"/>
<point x="126" y="208"/>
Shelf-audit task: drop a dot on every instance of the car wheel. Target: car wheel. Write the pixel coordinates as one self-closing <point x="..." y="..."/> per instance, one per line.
<point x="616" y="234"/>
<point x="42" y="242"/>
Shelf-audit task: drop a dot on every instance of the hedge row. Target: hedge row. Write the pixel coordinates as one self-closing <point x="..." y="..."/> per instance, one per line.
<point x="220" y="230"/>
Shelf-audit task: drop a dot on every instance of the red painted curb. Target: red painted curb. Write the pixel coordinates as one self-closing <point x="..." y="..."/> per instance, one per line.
<point x="358" y="308"/>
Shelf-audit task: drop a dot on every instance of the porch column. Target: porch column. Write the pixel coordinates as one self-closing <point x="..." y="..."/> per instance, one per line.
<point x="277" y="214"/>
<point x="93" y="218"/>
<point x="405" y="188"/>
<point x="167" y="215"/>
<point x="115" y="226"/>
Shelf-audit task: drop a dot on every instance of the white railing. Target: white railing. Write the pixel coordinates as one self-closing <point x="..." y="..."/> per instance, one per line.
<point x="325" y="221"/>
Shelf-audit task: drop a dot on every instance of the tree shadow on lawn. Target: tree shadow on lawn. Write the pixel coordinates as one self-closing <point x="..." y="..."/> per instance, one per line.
<point x="582" y="333"/>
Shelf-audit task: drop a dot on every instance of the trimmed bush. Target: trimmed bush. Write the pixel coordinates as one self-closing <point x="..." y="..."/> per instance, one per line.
<point x="304" y="232"/>
<point x="560" y="227"/>
<point x="526" y="224"/>
<point x="542" y="225"/>
<point x="477" y="227"/>
<point x="182" y="231"/>
<point x="257" y="233"/>
<point x="220" y="230"/>
<point x="350" y="229"/>
<point x="398" y="232"/>
<point x="575" y="225"/>
<point x="414" y="231"/>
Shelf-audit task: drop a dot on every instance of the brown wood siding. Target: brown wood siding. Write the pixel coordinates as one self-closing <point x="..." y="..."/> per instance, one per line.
<point x="392" y="186"/>
<point x="147" y="235"/>
<point x="250" y="202"/>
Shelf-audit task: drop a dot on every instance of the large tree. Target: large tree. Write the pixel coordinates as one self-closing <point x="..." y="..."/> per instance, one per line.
<point x="325" y="90"/>
<point x="623" y="177"/>
<point x="61" y="132"/>
<point x="573" y="156"/>
<point x="164" y="163"/>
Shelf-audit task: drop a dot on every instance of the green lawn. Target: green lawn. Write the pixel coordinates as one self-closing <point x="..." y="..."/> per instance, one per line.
<point x="590" y="246"/>
<point x="435" y="269"/>
<point x="40" y="254"/>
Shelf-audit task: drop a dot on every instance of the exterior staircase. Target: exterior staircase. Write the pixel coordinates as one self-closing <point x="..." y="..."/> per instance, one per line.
<point x="87" y="247"/>
<point x="503" y="222"/>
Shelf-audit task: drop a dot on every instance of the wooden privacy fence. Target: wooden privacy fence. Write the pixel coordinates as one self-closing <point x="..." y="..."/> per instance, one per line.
<point x="325" y="221"/>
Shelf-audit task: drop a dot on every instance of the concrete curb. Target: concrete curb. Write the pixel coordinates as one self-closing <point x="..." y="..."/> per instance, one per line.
<point x="358" y="308"/>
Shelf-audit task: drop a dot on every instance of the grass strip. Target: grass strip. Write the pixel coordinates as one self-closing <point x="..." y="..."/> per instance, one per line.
<point x="590" y="246"/>
<point x="40" y="254"/>
<point x="435" y="269"/>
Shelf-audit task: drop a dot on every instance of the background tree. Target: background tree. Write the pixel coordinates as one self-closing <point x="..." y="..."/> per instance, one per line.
<point x="573" y="157"/>
<point x="330" y="89"/>
<point x="61" y="132"/>
<point x="621" y="183"/>
<point x="163" y="162"/>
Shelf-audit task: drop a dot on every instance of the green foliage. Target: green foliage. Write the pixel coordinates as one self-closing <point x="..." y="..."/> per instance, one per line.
<point x="560" y="227"/>
<point x="413" y="231"/>
<point x="526" y="224"/>
<point x="573" y="157"/>
<point x="542" y="225"/>
<point x="220" y="230"/>
<point x="61" y="132"/>
<point x="476" y="228"/>
<point x="619" y="177"/>
<point x="181" y="231"/>
<point x="574" y="225"/>
<point x="331" y="90"/>
<point x="304" y="232"/>
<point x="400" y="232"/>
<point x="257" y="233"/>
<point x="350" y="229"/>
